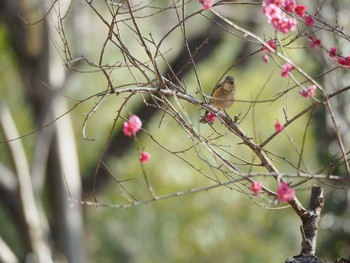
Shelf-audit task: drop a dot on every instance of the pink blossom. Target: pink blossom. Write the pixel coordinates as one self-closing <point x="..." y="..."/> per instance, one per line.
<point x="277" y="18"/>
<point x="309" y="20"/>
<point x="284" y="24"/>
<point x="300" y="10"/>
<point x="285" y="193"/>
<point x="266" y="58"/>
<point x="211" y="117"/>
<point x="144" y="157"/>
<point x="278" y="126"/>
<point x="287" y="25"/>
<point x="206" y="4"/>
<point x="132" y="126"/>
<point x="290" y="5"/>
<point x="271" y="11"/>
<point x="313" y="42"/>
<point x="278" y="3"/>
<point x="256" y="187"/>
<point x="344" y="61"/>
<point x="272" y="44"/>
<point x="332" y="52"/>
<point x="309" y="92"/>
<point x="286" y="69"/>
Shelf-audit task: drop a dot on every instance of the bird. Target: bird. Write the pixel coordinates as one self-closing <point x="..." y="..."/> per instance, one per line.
<point x="222" y="97"/>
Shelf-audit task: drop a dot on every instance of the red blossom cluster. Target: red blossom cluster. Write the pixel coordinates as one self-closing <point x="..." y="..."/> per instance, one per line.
<point x="343" y="61"/>
<point x="309" y="20"/>
<point x="277" y="18"/>
<point x="332" y="52"/>
<point x="300" y="10"/>
<point x="286" y="70"/>
<point x="313" y="42"/>
<point x="308" y="92"/>
<point x="284" y="192"/>
<point x="276" y="12"/>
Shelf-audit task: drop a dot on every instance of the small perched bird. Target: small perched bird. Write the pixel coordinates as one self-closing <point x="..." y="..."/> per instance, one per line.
<point x="222" y="97"/>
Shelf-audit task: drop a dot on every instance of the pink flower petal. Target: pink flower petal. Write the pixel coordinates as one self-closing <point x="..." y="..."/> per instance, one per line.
<point x="132" y="126"/>
<point x="309" y="92"/>
<point x="211" y="117"/>
<point x="266" y="58"/>
<point x="285" y="193"/>
<point x="290" y="5"/>
<point x="345" y="62"/>
<point x="256" y="187"/>
<point x="144" y="157"/>
<point x="278" y="126"/>
<point x="272" y="44"/>
<point x="300" y="10"/>
<point x="309" y="20"/>
<point x="286" y="70"/>
<point x="277" y="18"/>
<point x="126" y="130"/>
<point x="332" y="52"/>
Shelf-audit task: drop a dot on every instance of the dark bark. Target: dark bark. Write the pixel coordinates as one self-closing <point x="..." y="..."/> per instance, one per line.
<point x="304" y="259"/>
<point x="313" y="259"/>
<point x="310" y="221"/>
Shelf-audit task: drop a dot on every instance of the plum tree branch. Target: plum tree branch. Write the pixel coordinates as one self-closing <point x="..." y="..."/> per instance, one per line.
<point x="310" y="220"/>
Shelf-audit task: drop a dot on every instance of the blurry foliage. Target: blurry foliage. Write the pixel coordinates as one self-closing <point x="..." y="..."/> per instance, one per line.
<point x="11" y="92"/>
